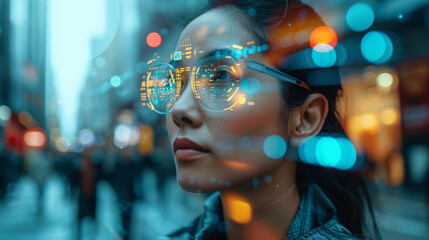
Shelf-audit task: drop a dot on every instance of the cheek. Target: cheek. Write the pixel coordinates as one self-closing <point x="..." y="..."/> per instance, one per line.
<point x="262" y="118"/>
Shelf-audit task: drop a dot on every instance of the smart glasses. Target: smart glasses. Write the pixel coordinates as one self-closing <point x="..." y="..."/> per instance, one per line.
<point x="216" y="83"/>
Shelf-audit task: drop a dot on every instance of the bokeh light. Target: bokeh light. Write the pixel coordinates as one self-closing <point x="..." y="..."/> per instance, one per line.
<point x="324" y="59"/>
<point x="376" y="47"/>
<point x="385" y="80"/>
<point x="62" y="144"/>
<point x="126" y="135"/>
<point x="342" y="55"/>
<point x="328" y="152"/>
<point x="238" y="208"/>
<point x="153" y="39"/>
<point x="321" y="36"/>
<point x="360" y="17"/>
<point x="390" y="116"/>
<point x="251" y="85"/>
<point x="5" y="114"/>
<point x="86" y="137"/>
<point x="274" y="147"/>
<point x="115" y="81"/>
<point x="369" y="121"/>
<point x="348" y="154"/>
<point x="307" y="151"/>
<point x="35" y="138"/>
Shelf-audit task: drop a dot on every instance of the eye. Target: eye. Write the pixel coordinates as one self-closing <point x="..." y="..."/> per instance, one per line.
<point x="222" y="74"/>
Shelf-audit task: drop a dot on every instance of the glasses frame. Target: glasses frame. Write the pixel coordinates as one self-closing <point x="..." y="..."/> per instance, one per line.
<point x="244" y="63"/>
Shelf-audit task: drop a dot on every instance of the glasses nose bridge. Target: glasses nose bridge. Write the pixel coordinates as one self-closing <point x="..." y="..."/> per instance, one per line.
<point x="187" y="96"/>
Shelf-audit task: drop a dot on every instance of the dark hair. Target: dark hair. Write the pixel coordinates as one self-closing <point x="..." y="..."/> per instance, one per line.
<point x="272" y="22"/>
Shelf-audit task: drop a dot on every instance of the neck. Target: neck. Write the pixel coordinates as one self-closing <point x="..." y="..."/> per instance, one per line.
<point x="263" y="209"/>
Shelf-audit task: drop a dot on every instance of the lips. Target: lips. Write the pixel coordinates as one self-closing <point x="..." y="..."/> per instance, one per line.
<point x="184" y="149"/>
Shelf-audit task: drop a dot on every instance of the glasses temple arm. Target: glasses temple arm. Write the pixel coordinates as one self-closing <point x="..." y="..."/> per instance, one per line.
<point x="259" y="67"/>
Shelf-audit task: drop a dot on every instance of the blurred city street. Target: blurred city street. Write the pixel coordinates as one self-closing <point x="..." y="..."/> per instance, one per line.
<point x="398" y="217"/>
<point x="153" y="218"/>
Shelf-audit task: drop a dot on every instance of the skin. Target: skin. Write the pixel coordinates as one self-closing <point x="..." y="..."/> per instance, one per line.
<point x="230" y="168"/>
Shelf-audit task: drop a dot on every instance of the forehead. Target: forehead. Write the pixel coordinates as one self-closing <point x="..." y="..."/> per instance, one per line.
<point x="215" y="29"/>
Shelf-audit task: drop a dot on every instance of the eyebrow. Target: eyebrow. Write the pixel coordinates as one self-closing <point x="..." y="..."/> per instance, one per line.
<point x="212" y="53"/>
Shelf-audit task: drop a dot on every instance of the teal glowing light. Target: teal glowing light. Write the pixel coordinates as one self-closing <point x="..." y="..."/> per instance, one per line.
<point x="324" y="59"/>
<point x="348" y="156"/>
<point x="115" y="81"/>
<point x="251" y="85"/>
<point x="360" y="17"/>
<point x="376" y="47"/>
<point x="328" y="152"/>
<point x="307" y="150"/>
<point x="274" y="147"/>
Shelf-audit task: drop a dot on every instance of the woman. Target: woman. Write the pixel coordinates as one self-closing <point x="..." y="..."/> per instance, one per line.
<point x="229" y="105"/>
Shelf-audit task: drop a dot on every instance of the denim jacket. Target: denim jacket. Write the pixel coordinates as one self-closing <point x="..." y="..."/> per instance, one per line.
<point x="309" y="222"/>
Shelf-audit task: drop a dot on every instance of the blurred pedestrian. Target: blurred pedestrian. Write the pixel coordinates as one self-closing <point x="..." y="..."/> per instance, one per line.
<point x="87" y="202"/>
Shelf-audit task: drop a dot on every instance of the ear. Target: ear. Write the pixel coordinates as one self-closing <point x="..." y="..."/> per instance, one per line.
<point x="308" y="119"/>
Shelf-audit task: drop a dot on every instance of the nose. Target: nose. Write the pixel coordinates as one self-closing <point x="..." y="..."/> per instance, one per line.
<point x="185" y="111"/>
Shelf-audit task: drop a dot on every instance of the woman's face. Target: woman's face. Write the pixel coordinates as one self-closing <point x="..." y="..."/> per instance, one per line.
<point x="224" y="148"/>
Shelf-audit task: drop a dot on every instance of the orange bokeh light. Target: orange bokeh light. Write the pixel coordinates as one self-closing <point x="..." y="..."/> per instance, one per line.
<point x="323" y="35"/>
<point x="153" y="39"/>
<point x="35" y="138"/>
<point x="239" y="209"/>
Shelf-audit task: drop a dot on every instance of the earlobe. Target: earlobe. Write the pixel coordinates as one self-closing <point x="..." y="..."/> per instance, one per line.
<point x="309" y="118"/>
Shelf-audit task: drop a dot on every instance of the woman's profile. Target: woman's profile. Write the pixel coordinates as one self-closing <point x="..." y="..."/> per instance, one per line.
<point x="230" y="97"/>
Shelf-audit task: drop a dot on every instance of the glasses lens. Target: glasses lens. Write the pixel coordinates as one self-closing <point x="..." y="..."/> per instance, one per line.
<point x="216" y="84"/>
<point x="162" y="88"/>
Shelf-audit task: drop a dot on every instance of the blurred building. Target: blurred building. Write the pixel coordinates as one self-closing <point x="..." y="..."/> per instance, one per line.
<point x="25" y="38"/>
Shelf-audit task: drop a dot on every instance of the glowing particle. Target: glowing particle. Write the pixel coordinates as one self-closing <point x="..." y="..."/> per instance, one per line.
<point x="251" y="12"/>
<point x="376" y="47"/>
<point x="115" y="81"/>
<point x="241" y="100"/>
<point x="274" y="147"/>
<point x="360" y="17"/>
<point x="385" y="79"/>
<point x="100" y="62"/>
<point x="268" y="179"/>
<point x="323" y="35"/>
<point x="153" y="39"/>
<point x="255" y="182"/>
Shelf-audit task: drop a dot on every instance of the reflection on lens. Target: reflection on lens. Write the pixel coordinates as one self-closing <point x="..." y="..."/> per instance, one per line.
<point x="162" y="88"/>
<point x="217" y="84"/>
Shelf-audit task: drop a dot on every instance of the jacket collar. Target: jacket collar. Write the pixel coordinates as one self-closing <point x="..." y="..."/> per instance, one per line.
<point x="308" y="218"/>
